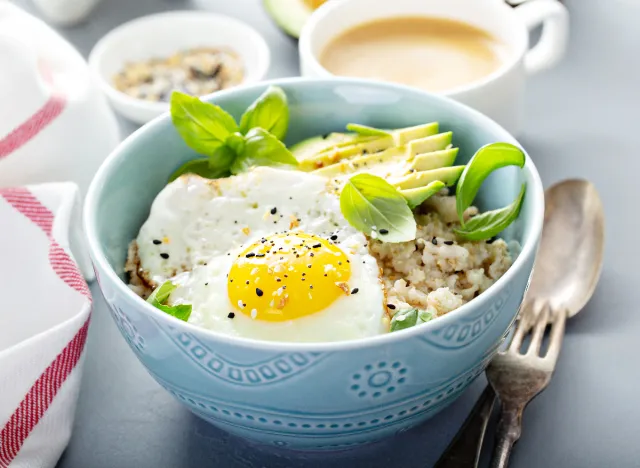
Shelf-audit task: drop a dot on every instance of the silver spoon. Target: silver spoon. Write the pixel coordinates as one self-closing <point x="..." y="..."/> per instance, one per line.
<point x="566" y="273"/>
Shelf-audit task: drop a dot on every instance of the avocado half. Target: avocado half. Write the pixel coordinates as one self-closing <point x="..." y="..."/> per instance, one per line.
<point x="291" y="15"/>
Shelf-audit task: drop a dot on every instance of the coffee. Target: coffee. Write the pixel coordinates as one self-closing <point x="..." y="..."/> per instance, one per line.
<point x="435" y="54"/>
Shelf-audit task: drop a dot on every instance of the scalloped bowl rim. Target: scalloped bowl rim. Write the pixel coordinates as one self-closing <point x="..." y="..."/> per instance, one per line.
<point x="529" y="249"/>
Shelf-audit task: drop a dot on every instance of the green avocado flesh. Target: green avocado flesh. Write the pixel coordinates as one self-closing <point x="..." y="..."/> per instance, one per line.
<point x="448" y="175"/>
<point x="310" y="147"/>
<point x="417" y="196"/>
<point x="434" y="159"/>
<point x="417" y="160"/>
<point x="360" y="145"/>
<point x="291" y="15"/>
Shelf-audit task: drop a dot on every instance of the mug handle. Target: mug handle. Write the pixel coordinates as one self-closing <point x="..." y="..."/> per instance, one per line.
<point x="554" y="18"/>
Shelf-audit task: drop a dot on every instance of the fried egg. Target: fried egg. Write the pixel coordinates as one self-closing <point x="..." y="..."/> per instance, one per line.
<point x="265" y="254"/>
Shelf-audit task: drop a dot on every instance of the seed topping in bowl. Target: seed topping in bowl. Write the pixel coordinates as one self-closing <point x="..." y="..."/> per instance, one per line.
<point x="196" y="71"/>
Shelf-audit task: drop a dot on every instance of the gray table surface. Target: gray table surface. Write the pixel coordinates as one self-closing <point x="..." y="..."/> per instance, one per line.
<point x="582" y="122"/>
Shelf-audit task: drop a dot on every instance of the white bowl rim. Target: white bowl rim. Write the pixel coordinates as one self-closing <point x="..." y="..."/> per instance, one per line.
<point x="105" y="43"/>
<point x="326" y="9"/>
<point x="528" y="252"/>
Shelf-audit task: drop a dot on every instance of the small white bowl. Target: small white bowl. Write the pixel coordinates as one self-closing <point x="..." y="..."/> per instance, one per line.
<point x="164" y="34"/>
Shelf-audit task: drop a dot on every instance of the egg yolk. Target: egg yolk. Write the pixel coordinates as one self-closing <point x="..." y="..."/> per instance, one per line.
<point x="287" y="276"/>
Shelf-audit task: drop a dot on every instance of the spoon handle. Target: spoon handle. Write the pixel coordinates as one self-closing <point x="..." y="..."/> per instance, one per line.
<point x="464" y="450"/>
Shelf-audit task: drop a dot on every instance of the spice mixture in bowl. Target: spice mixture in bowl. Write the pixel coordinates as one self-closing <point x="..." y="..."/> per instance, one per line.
<point x="198" y="71"/>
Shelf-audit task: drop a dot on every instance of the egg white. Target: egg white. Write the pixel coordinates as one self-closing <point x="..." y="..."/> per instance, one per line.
<point x="203" y="225"/>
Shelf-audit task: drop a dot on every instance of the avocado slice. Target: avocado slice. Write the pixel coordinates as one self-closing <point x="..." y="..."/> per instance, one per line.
<point x="291" y="15"/>
<point x="370" y="145"/>
<point x="308" y="148"/>
<point x="430" y="143"/>
<point x="434" y="160"/>
<point x="397" y="154"/>
<point x="448" y="175"/>
<point x="416" y="196"/>
<point x="339" y="152"/>
<point x="366" y="161"/>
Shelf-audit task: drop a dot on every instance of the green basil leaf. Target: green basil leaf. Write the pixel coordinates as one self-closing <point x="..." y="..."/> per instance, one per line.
<point x="262" y="149"/>
<point x="203" y="126"/>
<point x="269" y="112"/>
<point x="365" y="130"/>
<point x="236" y="143"/>
<point x="202" y="167"/>
<point x="161" y="293"/>
<point x="486" y="160"/>
<point x="373" y="206"/>
<point x="404" y="319"/>
<point x="491" y="223"/>
<point x="159" y="297"/>
<point x="425" y="316"/>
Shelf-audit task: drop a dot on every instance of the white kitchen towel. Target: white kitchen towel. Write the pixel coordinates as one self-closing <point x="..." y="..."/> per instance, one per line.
<point x="44" y="318"/>
<point x="55" y="130"/>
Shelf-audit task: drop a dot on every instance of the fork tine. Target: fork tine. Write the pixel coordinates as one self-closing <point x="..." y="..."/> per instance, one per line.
<point x="522" y="327"/>
<point x="557" y="334"/>
<point x="538" y="332"/>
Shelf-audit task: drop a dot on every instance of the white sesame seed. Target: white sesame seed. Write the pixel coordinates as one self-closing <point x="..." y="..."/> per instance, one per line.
<point x="254" y="313"/>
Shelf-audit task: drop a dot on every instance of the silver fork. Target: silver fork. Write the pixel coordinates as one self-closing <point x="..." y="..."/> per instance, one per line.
<point x="518" y="377"/>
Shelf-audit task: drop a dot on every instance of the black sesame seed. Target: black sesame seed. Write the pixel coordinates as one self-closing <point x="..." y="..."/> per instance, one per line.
<point x="286" y="276"/>
<point x="274" y="210"/>
<point x="250" y="254"/>
<point x="309" y="266"/>
<point x="311" y="254"/>
<point x="354" y="291"/>
<point x="290" y="198"/>
<point x="303" y="279"/>
<point x="334" y="237"/>
<point x="235" y="222"/>
<point x="304" y="274"/>
<point x="164" y="255"/>
<point x="311" y="286"/>
<point x="317" y="246"/>
<point x="260" y="255"/>
<point x="434" y="241"/>
<point x="391" y="306"/>
<point x="259" y="292"/>
<point x="448" y="242"/>
<point x="325" y="274"/>
<point x="231" y="315"/>
<point x="339" y="263"/>
<point x="207" y="284"/>
<point x="383" y="231"/>
<point x="157" y="242"/>
<point x="247" y="282"/>
<point x="284" y="287"/>
<point x="278" y="280"/>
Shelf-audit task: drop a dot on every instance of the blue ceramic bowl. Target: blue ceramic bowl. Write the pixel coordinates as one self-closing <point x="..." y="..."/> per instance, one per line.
<point x="323" y="396"/>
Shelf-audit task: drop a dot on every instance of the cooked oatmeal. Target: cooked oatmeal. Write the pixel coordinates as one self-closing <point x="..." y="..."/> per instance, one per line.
<point x="435" y="272"/>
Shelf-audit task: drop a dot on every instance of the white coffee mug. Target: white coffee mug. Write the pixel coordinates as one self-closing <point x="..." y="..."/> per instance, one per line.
<point x="499" y="95"/>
